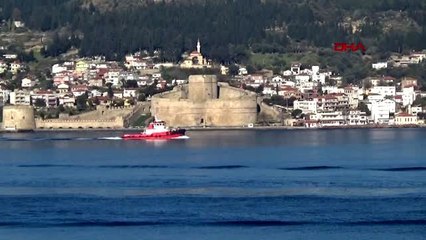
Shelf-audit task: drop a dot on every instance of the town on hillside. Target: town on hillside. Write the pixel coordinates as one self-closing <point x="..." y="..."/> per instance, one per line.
<point x="304" y="95"/>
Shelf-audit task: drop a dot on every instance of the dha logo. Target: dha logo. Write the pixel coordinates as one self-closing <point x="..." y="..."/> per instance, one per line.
<point x="345" y="47"/>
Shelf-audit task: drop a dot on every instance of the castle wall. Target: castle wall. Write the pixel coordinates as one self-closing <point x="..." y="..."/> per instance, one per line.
<point x="20" y="118"/>
<point x="216" y="112"/>
<point x="234" y="107"/>
<point x="177" y="93"/>
<point x="79" y="124"/>
<point x="228" y="92"/>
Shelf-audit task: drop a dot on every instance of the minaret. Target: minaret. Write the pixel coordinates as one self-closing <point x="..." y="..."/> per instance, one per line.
<point x="198" y="46"/>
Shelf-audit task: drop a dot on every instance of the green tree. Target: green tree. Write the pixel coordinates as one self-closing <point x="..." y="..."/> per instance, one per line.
<point x="296" y="113"/>
<point x="81" y="102"/>
<point x="40" y="102"/>
<point x="364" y="108"/>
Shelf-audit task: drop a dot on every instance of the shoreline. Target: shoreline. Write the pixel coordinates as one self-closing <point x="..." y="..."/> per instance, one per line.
<point x="189" y="129"/>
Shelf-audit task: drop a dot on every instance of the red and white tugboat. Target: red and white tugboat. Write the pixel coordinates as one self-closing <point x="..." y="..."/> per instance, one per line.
<point x="157" y="130"/>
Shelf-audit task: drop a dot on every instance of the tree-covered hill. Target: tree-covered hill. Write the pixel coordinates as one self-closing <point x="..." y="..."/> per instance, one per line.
<point x="228" y="29"/>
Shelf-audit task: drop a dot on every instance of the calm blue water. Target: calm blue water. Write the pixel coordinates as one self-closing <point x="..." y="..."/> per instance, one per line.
<point x="316" y="184"/>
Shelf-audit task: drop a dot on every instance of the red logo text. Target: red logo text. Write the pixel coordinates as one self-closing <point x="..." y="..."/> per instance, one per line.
<point x="345" y="47"/>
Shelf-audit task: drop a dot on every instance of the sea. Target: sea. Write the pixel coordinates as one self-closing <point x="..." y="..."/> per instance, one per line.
<point x="236" y="184"/>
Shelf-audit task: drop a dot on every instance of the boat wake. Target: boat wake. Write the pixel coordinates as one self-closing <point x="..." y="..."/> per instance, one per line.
<point x="57" y="139"/>
<point x="110" y="138"/>
<point x="7" y="139"/>
<point x="181" y="137"/>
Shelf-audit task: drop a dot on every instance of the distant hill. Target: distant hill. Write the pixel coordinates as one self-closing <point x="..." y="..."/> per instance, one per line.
<point x="228" y="29"/>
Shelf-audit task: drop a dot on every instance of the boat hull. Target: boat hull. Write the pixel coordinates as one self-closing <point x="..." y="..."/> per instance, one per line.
<point x="174" y="134"/>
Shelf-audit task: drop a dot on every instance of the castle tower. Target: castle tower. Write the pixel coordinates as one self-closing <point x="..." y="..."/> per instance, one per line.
<point x="202" y="88"/>
<point x="18" y="118"/>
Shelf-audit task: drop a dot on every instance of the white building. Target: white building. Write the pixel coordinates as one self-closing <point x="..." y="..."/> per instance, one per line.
<point x="375" y="97"/>
<point x="384" y="90"/>
<point x="405" y="119"/>
<point x="381" y="110"/>
<point x="269" y="90"/>
<point x="357" y="118"/>
<point x="4" y="94"/>
<point x="20" y="97"/>
<point x="15" y="67"/>
<point x="242" y="71"/>
<point x="353" y="95"/>
<point x="277" y="79"/>
<point x="130" y="92"/>
<point x="306" y="106"/>
<point x="113" y="77"/>
<point x="415" y="110"/>
<point x="63" y="88"/>
<point x="287" y="73"/>
<point x="332" y="119"/>
<point x="319" y="77"/>
<point x="332" y="89"/>
<point x="27" y="83"/>
<point x="57" y="68"/>
<point x="302" y="79"/>
<point x="379" y="65"/>
<point x="67" y="100"/>
<point x="179" y="81"/>
<point x="408" y="96"/>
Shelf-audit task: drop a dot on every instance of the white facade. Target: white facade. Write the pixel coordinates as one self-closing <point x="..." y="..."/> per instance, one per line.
<point x="319" y="78"/>
<point x="113" y="77"/>
<point x="415" y="110"/>
<point x="408" y="96"/>
<point x="20" y="97"/>
<point x="27" y="83"/>
<point x="353" y="95"/>
<point x="129" y="93"/>
<point x="277" y="79"/>
<point x="332" y="119"/>
<point x="67" y="101"/>
<point x="302" y="79"/>
<point x="63" y="88"/>
<point x="57" y="68"/>
<point x="384" y="90"/>
<point x="287" y="73"/>
<point x="242" y="71"/>
<point x="405" y="119"/>
<point x="381" y="110"/>
<point x="306" y="106"/>
<point x="379" y="65"/>
<point x="269" y="90"/>
<point x="15" y="67"/>
<point x="332" y="89"/>
<point x="4" y="94"/>
<point x="375" y="97"/>
<point x="357" y="118"/>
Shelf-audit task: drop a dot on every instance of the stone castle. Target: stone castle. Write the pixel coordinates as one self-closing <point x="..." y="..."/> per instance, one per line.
<point x="21" y="118"/>
<point x="18" y="118"/>
<point x="205" y="102"/>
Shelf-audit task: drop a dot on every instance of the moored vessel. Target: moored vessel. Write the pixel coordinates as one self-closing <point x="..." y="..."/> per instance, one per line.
<point x="157" y="130"/>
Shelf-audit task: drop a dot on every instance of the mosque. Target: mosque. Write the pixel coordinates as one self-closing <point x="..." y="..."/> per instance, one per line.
<point x="195" y="59"/>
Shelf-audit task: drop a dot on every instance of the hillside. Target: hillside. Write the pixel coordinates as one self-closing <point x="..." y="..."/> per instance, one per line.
<point x="230" y="30"/>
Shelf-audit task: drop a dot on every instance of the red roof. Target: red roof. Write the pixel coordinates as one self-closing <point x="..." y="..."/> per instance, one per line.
<point x="404" y="114"/>
<point x="42" y="92"/>
<point x="79" y="88"/>
<point x="288" y="89"/>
